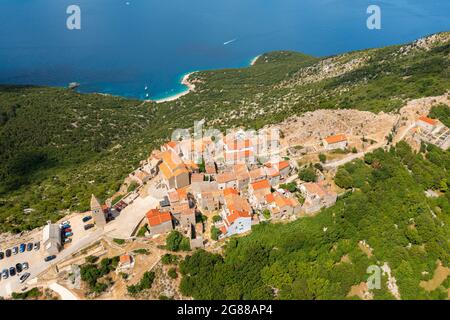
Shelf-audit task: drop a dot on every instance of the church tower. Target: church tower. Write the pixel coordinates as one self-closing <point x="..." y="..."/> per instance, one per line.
<point x="97" y="212"/>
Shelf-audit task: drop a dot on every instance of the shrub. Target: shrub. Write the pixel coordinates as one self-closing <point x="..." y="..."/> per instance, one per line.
<point x="172" y="273"/>
<point x="169" y="259"/>
<point x="176" y="242"/>
<point x="133" y="185"/>
<point x="322" y="158"/>
<point x="91" y="259"/>
<point x="119" y="241"/>
<point x="145" y="283"/>
<point x="308" y="174"/>
<point x="215" y="233"/>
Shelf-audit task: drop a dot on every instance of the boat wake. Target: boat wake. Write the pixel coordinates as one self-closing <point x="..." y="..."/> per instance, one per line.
<point x="229" y="42"/>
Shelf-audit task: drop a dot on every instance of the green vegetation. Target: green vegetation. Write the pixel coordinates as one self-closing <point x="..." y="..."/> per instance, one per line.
<point x="291" y="187"/>
<point x="133" y="185"/>
<point x="119" y="241"/>
<point x="175" y="241"/>
<point x="57" y="146"/>
<point x="91" y="259"/>
<point x="441" y="112"/>
<point x="215" y="233"/>
<point x="266" y="214"/>
<point x="95" y="274"/>
<point x="216" y="218"/>
<point x="145" y="283"/>
<point x="30" y="294"/>
<point x="300" y="260"/>
<point x="141" y="251"/>
<point x="308" y="174"/>
<point x="172" y="273"/>
<point x="169" y="259"/>
<point x="142" y="231"/>
<point x="322" y="158"/>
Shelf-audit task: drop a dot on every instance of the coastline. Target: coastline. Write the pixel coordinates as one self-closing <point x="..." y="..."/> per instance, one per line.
<point x="252" y="63"/>
<point x="190" y="86"/>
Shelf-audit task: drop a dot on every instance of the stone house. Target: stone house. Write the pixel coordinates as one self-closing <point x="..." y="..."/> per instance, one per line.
<point x="159" y="222"/>
<point x="317" y="196"/>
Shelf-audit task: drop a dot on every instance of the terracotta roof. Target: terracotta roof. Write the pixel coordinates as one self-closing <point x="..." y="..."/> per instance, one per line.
<point x="165" y="171"/>
<point x="225" y="177"/>
<point x="125" y="258"/>
<point x="270" y="198"/>
<point x="229" y="191"/>
<point x="197" y="177"/>
<point x="272" y="172"/>
<point x="210" y="169"/>
<point x="241" y="171"/>
<point x="257" y="173"/>
<point x="182" y="193"/>
<point x="172" y="144"/>
<point x="263" y="184"/>
<point x="280" y="165"/>
<point x="428" y="120"/>
<point x="237" y="214"/>
<point x="156" y="217"/>
<point x="336" y="139"/>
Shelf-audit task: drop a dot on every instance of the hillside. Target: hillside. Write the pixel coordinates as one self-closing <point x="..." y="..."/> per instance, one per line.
<point x="386" y="221"/>
<point x="57" y="146"/>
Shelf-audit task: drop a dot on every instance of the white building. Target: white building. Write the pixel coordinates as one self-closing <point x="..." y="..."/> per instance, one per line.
<point x="51" y="238"/>
<point x="335" y="142"/>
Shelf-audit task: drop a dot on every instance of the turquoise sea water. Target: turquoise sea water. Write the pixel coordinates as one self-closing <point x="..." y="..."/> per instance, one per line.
<point x="123" y="48"/>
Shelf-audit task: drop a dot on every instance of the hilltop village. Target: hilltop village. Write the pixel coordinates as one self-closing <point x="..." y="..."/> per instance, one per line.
<point x="206" y="190"/>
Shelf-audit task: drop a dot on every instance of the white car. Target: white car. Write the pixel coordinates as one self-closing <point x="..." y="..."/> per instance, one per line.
<point x="25" y="266"/>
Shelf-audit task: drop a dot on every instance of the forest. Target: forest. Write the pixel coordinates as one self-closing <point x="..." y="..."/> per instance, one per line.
<point x="321" y="258"/>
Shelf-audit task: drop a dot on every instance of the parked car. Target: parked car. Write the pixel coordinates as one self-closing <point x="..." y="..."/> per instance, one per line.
<point x="25" y="266"/>
<point x="12" y="271"/>
<point x="49" y="258"/>
<point x="8" y="253"/>
<point x="68" y="230"/>
<point x="29" y="246"/>
<point x="37" y="245"/>
<point x="22" y="247"/>
<point x="19" y="267"/>
<point x="2" y="255"/>
<point x="15" y="250"/>
<point x="87" y="218"/>
<point x="24" y="277"/>
<point x="64" y="225"/>
<point x="68" y="234"/>
<point x="5" y="274"/>
<point x="66" y="222"/>
<point x="89" y="226"/>
<point x="67" y="240"/>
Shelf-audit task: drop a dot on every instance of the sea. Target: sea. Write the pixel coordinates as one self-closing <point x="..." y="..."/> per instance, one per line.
<point x="142" y="48"/>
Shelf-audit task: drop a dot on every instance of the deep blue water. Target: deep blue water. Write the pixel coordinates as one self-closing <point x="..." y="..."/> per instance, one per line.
<point x="123" y="48"/>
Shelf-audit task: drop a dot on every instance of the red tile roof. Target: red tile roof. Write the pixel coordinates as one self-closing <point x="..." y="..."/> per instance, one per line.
<point x="428" y="120"/>
<point x="263" y="184"/>
<point x="336" y="139"/>
<point x="156" y="217"/>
